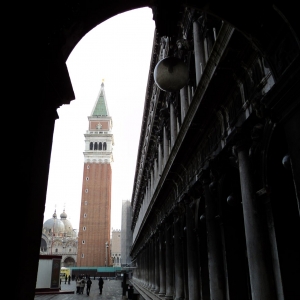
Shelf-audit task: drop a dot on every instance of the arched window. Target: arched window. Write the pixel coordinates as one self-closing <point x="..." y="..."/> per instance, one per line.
<point x="96" y="146"/>
<point x="100" y="146"/>
<point x="91" y="145"/>
<point x="43" y="245"/>
<point x="104" y="146"/>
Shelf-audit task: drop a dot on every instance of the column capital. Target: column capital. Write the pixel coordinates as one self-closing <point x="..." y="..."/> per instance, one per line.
<point x="178" y="211"/>
<point x="242" y="144"/>
<point x="164" y="113"/>
<point x="189" y="200"/>
<point x="205" y="176"/>
<point x="186" y="198"/>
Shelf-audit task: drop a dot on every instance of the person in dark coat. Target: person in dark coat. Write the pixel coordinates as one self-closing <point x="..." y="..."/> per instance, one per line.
<point x="100" y="283"/>
<point x="78" y="285"/>
<point x="69" y="279"/>
<point x="66" y="277"/>
<point x="88" y="285"/>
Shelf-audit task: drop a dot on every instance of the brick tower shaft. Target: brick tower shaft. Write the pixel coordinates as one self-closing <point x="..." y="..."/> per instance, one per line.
<point x="95" y="212"/>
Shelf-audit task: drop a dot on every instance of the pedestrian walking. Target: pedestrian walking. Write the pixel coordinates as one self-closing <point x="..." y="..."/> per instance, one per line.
<point x="66" y="277"/>
<point x="78" y="284"/>
<point x="82" y="285"/>
<point x="69" y="279"/>
<point x="88" y="286"/>
<point x="100" y="283"/>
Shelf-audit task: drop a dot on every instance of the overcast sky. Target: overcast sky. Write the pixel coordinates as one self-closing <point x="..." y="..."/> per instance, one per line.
<point x="118" y="51"/>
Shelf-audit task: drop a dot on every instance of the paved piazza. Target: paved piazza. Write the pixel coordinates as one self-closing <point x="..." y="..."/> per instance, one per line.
<point x="112" y="290"/>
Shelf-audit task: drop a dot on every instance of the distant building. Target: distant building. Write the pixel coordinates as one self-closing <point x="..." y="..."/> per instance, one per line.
<point x="94" y="225"/>
<point x="126" y="233"/>
<point x="59" y="238"/>
<point x="116" y="248"/>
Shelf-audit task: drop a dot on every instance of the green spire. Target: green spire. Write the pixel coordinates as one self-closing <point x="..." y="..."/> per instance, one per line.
<point x="100" y="108"/>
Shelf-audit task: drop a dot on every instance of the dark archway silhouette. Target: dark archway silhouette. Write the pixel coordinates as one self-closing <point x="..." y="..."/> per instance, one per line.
<point x="48" y="32"/>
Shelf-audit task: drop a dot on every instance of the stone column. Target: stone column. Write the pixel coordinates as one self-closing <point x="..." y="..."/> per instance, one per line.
<point x="162" y="265"/>
<point x="192" y="253"/>
<point x="169" y="261"/>
<point x="159" y="171"/>
<point x="178" y="259"/>
<point x="199" y="50"/>
<point x="157" y="262"/>
<point x="148" y="267"/>
<point x="190" y="96"/>
<point x="137" y="271"/>
<point x="151" y="183"/>
<point x="258" y="271"/>
<point x="145" y="265"/>
<point x="152" y="262"/>
<point x="210" y="40"/>
<point x="141" y="267"/>
<point x="149" y="192"/>
<point x="146" y="196"/>
<point x="184" y="102"/>
<point x="173" y="124"/>
<point x="292" y="136"/>
<point x="33" y="185"/>
<point x="215" y="265"/>
<point x="166" y="146"/>
<point x="155" y="174"/>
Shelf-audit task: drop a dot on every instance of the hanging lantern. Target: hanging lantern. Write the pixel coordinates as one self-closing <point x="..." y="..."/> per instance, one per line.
<point x="202" y="218"/>
<point x="286" y="162"/>
<point x="232" y="200"/>
<point x="171" y="74"/>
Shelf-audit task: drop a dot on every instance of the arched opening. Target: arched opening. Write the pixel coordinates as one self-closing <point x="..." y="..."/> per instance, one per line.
<point x="69" y="262"/>
<point x="43" y="245"/>
<point x="257" y="22"/>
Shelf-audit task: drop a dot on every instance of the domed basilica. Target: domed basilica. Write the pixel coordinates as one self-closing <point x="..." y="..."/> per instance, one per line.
<point x="59" y="238"/>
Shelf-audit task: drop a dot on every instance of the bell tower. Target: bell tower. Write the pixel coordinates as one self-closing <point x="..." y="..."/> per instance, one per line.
<point x="94" y="225"/>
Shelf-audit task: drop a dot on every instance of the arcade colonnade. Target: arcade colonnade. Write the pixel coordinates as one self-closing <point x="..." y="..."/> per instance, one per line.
<point x="213" y="170"/>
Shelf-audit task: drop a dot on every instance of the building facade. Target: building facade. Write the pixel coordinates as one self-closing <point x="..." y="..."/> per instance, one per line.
<point x="59" y="238"/>
<point x="217" y="166"/>
<point x="95" y="212"/>
<point x="116" y="248"/>
<point x="126" y="233"/>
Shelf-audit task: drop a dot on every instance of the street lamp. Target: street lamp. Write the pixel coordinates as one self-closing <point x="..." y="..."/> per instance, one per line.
<point x="106" y="246"/>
